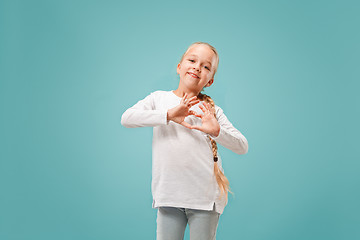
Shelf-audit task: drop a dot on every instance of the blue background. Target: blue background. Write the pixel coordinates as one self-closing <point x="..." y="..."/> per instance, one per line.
<point x="288" y="79"/>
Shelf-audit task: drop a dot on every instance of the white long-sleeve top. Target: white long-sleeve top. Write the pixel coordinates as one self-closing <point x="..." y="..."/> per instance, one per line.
<point x="182" y="159"/>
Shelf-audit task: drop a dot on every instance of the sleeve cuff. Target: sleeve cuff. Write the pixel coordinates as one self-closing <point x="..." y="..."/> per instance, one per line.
<point x="166" y="121"/>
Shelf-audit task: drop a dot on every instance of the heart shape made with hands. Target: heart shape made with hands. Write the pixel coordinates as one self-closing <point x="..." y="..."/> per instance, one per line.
<point x="209" y="123"/>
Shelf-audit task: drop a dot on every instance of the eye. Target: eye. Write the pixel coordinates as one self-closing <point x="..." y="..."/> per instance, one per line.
<point x="207" y="68"/>
<point x="191" y="60"/>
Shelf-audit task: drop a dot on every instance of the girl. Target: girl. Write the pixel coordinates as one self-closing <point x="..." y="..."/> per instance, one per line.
<point x="188" y="182"/>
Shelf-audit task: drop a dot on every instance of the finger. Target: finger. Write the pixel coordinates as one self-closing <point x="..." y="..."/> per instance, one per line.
<point x="210" y="108"/>
<point x="207" y="106"/>
<point x="183" y="98"/>
<point x="194" y="102"/>
<point x="195" y="114"/>
<point x="185" y="124"/>
<point x="192" y="98"/>
<point x="204" y="105"/>
<point x="202" y="108"/>
<point x="186" y="103"/>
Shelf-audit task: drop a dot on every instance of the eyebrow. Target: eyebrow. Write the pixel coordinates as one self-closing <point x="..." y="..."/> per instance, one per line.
<point x="196" y="56"/>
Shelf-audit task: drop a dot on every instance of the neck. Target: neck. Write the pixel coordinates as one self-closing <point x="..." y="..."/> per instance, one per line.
<point x="181" y="92"/>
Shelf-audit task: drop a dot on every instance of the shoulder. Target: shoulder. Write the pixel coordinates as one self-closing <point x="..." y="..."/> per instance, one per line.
<point x="160" y="96"/>
<point x="160" y="93"/>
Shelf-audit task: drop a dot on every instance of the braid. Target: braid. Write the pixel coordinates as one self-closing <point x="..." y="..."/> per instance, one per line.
<point x="222" y="181"/>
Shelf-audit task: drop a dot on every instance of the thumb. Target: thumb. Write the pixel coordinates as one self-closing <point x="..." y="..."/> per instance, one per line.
<point x="185" y="124"/>
<point x="200" y="128"/>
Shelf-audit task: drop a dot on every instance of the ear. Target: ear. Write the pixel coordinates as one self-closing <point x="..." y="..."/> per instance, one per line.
<point x="178" y="68"/>
<point x="210" y="82"/>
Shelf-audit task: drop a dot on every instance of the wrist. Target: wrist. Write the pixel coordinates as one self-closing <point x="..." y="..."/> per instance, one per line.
<point x="216" y="132"/>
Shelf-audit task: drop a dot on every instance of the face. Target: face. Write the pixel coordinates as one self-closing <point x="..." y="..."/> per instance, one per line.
<point x="196" y="70"/>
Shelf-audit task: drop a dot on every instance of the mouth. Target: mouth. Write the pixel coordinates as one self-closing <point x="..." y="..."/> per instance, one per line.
<point x="193" y="75"/>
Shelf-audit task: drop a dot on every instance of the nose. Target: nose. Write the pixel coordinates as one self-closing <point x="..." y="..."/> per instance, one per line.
<point x="197" y="67"/>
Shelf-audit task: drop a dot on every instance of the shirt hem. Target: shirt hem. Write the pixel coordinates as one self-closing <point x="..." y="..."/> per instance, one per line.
<point x="209" y="207"/>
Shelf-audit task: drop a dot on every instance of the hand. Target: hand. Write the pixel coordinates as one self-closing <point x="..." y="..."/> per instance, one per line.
<point x="209" y="123"/>
<point x="181" y="111"/>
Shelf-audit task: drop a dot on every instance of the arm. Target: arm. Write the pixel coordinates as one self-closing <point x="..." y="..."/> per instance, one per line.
<point x="229" y="136"/>
<point x="144" y="114"/>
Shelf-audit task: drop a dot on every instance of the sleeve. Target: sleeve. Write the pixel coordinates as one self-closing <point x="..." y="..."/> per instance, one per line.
<point x="229" y="136"/>
<point x="144" y="114"/>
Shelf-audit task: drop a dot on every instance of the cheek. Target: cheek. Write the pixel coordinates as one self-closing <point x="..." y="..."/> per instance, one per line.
<point x="208" y="75"/>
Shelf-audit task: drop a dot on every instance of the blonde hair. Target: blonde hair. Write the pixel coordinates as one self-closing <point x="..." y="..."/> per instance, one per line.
<point x="221" y="179"/>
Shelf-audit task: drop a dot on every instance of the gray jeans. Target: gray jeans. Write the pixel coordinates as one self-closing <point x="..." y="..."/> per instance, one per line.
<point x="172" y="221"/>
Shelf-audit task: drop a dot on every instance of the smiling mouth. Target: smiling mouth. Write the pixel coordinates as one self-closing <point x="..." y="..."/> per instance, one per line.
<point x="193" y="75"/>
